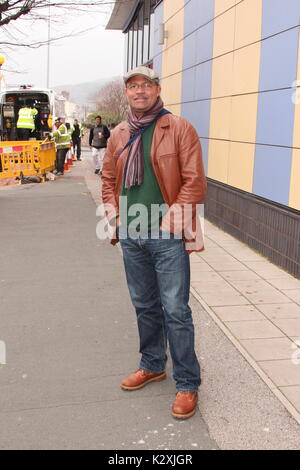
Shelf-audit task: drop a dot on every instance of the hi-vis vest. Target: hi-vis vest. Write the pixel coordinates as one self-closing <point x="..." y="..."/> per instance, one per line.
<point x="62" y="137"/>
<point x="81" y="131"/>
<point x="26" y="118"/>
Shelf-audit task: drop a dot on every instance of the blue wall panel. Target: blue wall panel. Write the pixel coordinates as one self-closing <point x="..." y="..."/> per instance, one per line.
<point x="204" y="145"/>
<point x="198" y="113"/>
<point x="279" y="56"/>
<point x="203" y="79"/>
<point x="275" y="118"/>
<point x="272" y="170"/>
<point x="204" y="42"/>
<point x="279" y="15"/>
<point x="197" y="76"/>
<point x="190" y="51"/>
<point x="197" y="13"/>
<point x="159" y="18"/>
<point x="189" y="84"/>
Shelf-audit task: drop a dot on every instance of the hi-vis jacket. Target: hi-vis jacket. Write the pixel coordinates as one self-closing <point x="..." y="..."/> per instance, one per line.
<point x="26" y="118"/>
<point x="62" y="137"/>
<point x="79" y="130"/>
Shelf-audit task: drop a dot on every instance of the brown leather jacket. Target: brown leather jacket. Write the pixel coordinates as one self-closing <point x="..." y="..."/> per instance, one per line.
<point x="177" y="162"/>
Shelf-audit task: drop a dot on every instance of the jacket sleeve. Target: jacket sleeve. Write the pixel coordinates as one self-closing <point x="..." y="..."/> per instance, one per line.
<point x="194" y="186"/>
<point x="106" y="132"/>
<point x="91" y="136"/>
<point x="109" y="181"/>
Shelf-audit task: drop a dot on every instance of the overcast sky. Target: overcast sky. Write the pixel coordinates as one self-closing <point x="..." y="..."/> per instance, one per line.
<point x="93" y="55"/>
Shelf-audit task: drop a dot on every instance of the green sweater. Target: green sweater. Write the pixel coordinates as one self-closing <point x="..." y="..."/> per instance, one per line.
<point x="140" y="218"/>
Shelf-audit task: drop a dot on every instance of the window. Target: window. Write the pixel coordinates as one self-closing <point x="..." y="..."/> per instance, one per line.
<point x="151" y="35"/>
<point x="130" y="44"/>
<point x="140" y="33"/>
<point x="146" y="32"/>
<point x="134" y="48"/>
<point x="140" y="37"/>
<point x="126" y="51"/>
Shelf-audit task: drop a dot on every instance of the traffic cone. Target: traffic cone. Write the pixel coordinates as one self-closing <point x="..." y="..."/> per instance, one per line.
<point x="66" y="166"/>
<point x="72" y="152"/>
<point x="69" y="159"/>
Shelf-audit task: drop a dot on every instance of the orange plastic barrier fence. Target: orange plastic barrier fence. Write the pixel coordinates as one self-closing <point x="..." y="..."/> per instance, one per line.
<point x="28" y="157"/>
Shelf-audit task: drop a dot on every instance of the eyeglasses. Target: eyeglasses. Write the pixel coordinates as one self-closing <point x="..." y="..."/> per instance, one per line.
<point x="143" y="86"/>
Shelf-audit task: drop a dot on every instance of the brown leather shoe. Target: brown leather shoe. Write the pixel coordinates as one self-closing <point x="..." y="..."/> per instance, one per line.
<point x="140" y="378"/>
<point x="185" y="405"/>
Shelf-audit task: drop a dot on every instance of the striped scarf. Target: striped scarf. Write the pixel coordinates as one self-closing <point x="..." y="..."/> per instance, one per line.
<point x="134" y="165"/>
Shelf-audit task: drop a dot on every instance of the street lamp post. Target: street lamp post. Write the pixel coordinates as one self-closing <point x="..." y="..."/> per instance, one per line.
<point x="48" y="51"/>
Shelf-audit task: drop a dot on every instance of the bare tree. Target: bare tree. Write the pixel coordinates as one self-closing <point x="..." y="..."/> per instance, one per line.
<point x="18" y="16"/>
<point x="111" y="102"/>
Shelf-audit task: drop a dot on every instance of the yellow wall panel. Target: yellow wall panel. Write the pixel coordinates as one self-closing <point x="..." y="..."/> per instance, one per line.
<point x="295" y="178"/>
<point x="218" y="160"/>
<point x="175" y="28"/>
<point x="224" y="33"/>
<point x="248" y="22"/>
<point x="175" y="109"/>
<point x="296" y="140"/>
<point x="220" y="118"/>
<point x="246" y="68"/>
<point x="244" y="118"/>
<point x="172" y="60"/>
<point x="241" y="165"/>
<point x="171" y="90"/>
<point x="222" y="76"/>
<point x="223" y="5"/>
<point x="171" y="7"/>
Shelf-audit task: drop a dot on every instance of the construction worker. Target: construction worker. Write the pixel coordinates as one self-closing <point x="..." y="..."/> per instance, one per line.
<point x="25" y="124"/>
<point x="77" y="133"/>
<point x="63" y="144"/>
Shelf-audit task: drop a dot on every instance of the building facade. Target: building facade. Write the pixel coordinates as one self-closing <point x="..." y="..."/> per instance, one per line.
<point x="232" y="68"/>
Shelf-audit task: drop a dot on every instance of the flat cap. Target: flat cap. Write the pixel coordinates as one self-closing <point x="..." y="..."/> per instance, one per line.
<point x="144" y="71"/>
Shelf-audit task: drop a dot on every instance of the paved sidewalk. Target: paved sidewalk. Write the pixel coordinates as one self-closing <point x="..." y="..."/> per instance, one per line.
<point x="71" y="336"/>
<point x="257" y="305"/>
<point x="70" y="332"/>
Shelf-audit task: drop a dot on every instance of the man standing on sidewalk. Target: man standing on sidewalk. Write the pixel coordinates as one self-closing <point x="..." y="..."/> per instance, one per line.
<point x="154" y="161"/>
<point x="76" y="134"/>
<point x="62" y="142"/>
<point x="99" y="134"/>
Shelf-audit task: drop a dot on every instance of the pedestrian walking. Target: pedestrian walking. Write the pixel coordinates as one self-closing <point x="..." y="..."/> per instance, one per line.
<point x="154" y="160"/>
<point x="77" y="133"/>
<point x="99" y="134"/>
<point x="62" y="142"/>
<point x="25" y="123"/>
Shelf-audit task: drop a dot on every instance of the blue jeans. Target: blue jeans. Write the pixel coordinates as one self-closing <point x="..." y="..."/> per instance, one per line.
<point x="158" y="278"/>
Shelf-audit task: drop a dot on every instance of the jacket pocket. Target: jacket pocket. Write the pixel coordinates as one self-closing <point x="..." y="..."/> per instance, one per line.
<point x="169" y="169"/>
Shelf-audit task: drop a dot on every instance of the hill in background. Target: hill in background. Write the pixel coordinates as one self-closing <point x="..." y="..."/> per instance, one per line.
<point x="81" y="93"/>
